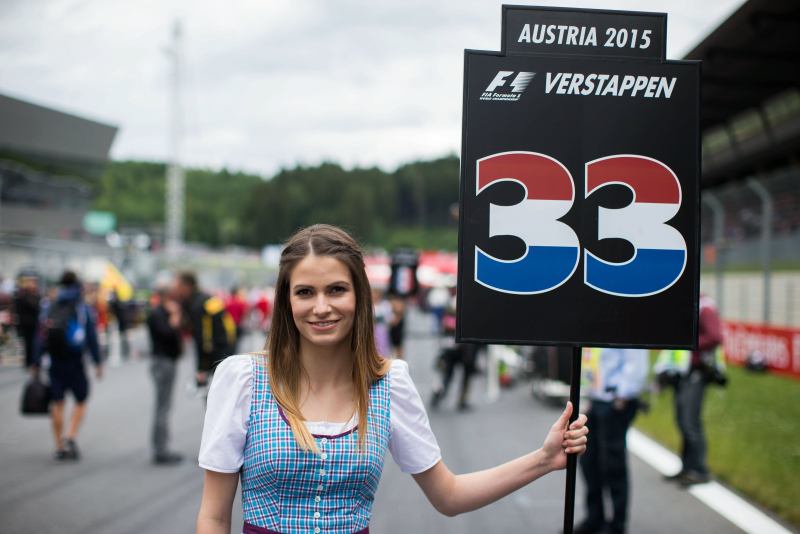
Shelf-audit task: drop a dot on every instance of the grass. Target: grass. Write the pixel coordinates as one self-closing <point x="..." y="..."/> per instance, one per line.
<point x="753" y="433"/>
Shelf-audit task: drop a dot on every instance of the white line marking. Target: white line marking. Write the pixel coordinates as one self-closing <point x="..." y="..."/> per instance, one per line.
<point x="727" y="504"/>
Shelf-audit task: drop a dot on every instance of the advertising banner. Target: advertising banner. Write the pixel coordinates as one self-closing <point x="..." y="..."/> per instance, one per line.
<point x="779" y="348"/>
<point x="579" y="204"/>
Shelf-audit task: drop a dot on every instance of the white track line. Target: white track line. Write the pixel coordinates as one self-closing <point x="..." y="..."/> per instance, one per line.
<point x="726" y="503"/>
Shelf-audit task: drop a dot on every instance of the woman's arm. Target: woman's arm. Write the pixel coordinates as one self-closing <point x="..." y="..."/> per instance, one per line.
<point x="455" y="494"/>
<point x="219" y="490"/>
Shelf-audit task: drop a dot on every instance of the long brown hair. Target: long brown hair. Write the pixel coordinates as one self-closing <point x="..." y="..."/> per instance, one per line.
<point x="283" y="347"/>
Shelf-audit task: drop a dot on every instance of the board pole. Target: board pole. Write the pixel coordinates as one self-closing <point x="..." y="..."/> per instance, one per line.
<point x="572" y="459"/>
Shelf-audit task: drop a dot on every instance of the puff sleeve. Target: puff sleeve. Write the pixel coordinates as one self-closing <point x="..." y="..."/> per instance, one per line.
<point x="227" y="415"/>
<point x="411" y="442"/>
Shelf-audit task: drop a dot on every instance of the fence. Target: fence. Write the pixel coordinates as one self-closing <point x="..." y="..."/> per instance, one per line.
<point x="754" y="226"/>
<point x="743" y="297"/>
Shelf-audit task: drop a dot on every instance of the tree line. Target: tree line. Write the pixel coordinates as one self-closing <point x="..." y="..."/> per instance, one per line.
<point x="411" y="206"/>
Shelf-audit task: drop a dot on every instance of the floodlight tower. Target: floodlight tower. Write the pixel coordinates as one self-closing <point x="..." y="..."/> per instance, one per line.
<point x="175" y="176"/>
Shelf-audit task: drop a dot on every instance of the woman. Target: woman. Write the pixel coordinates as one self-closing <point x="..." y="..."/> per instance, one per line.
<point x="307" y="427"/>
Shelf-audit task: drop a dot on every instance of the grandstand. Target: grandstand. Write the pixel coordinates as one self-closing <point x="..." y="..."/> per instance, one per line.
<point x="48" y="162"/>
<point x="751" y="127"/>
<point x="750" y="120"/>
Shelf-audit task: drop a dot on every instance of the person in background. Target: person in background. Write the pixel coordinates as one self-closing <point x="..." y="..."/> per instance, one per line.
<point x="236" y="306"/>
<point x="6" y="315"/>
<point x="212" y="327"/>
<point x="27" y="301"/>
<point x="264" y="308"/>
<point x="100" y="305"/>
<point x="383" y="316"/>
<point x="689" y="392"/>
<point x="120" y="309"/>
<point x="6" y="286"/>
<point x="164" y="325"/>
<point x="615" y="378"/>
<point x="397" y="324"/>
<point x="455" y="354"/>
<point x="69" y="330"/>
<point x="438" y="299"/>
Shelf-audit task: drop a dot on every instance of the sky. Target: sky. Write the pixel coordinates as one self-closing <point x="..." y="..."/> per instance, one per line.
<point x="270" y="84"/>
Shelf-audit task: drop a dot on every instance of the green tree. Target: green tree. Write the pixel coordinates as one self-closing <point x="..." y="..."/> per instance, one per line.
<point x="410" y="205"/>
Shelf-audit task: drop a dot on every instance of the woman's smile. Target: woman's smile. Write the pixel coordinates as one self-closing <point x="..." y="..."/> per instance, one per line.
<point x="324" y="325"/>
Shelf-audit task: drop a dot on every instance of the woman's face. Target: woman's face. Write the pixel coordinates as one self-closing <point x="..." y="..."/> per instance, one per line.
<point x="323" y="300"/>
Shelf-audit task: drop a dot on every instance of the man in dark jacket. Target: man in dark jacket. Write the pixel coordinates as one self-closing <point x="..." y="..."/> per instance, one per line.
<point x="69" y="327"/>
<point x="212" y="327"/>
<point x="26" y="311"/>
<point x="164" y="325"/>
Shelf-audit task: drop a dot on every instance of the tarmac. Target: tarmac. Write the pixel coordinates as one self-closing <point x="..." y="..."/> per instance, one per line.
<point x="116" y="489"/>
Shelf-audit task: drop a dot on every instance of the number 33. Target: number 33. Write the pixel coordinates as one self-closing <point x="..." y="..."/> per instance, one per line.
<point x="553" y="248"/>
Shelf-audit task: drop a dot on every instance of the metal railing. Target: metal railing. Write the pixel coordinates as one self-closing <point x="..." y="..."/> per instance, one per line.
<point x="748" y="230"/>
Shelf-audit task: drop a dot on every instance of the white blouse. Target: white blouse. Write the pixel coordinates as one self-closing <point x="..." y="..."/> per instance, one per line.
<point x="411" y="441"/>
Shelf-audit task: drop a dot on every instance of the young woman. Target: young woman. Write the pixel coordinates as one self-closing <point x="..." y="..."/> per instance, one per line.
<point x="307" y="426"/>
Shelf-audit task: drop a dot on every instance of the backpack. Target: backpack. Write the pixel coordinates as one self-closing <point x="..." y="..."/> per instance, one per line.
<point x="218" y="327"/>
<point x="66" y="329"/>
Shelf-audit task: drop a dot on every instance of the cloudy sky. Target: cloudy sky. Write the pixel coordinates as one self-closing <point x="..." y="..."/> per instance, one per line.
<point x="273" y="83"/>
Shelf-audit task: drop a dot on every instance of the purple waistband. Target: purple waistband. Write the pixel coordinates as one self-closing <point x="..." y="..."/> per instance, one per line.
<point x="252" y="529"/>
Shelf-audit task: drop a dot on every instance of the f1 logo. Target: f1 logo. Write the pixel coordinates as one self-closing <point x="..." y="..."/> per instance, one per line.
<point x="518" y="85"/>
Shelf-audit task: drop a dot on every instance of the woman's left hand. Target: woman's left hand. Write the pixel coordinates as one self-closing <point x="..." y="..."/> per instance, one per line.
<point x="561" y="441"/>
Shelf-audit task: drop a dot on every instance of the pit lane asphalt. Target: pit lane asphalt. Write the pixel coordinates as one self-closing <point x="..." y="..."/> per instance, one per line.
<point x="115" y="489"/>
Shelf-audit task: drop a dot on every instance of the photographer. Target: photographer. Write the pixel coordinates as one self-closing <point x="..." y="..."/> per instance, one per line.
<point x="690" y="375"/>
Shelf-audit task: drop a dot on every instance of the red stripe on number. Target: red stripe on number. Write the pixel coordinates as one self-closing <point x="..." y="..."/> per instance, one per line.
<point x="544" y="178"/>
<point x="652" y="181"/>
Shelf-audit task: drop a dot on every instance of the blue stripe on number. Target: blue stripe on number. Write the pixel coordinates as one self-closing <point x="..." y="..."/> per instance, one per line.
<point x="542" y="269"/>
<point x="650" y="272"/>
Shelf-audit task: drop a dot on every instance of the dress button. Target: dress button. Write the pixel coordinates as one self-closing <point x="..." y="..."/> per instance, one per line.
<point x="316" y="530"/>
<point x="317" y="498"/>
<point x="324" y="440"/>
<point x="324" y="455"/>
<point x="316" y="515"/>
<point x="322" y="472"/>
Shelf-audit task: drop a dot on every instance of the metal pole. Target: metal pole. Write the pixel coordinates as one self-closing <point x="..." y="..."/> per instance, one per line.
<point x="766" y="241"/>
<point x="175" y="176"/>
<point x="572" y="459"/>
<point x="718" y="213"/>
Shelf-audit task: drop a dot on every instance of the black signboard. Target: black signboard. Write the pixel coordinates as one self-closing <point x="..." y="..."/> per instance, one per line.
<point x="579" y="208"/>
<point x="403" y="279"/>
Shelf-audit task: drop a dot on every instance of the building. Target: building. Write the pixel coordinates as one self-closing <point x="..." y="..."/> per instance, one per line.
<point x="750" y="119"/>
<point x="48" y="162"/>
